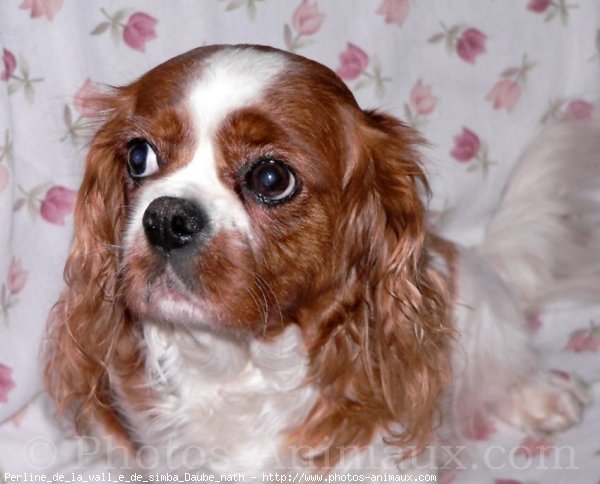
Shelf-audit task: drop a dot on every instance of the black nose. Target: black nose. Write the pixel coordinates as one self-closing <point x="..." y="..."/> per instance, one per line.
<point x="173" y="223"/>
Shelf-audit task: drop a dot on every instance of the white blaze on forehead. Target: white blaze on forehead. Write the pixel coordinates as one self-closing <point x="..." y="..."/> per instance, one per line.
<point x="229" y="80"/>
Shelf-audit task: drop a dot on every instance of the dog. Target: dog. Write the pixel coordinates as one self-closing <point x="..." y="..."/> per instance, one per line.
<point x="253" y="277"/>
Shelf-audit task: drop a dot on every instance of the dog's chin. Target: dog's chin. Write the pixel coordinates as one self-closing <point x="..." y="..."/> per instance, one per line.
<point x="166" y="300"/>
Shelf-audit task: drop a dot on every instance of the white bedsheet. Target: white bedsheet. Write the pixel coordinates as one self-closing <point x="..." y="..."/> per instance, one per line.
<point x="479" y="78"/>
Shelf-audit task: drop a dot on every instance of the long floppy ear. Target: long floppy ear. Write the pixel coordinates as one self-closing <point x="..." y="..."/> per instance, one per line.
<point x="89" y="333"/>
<point x="380" y="356"/>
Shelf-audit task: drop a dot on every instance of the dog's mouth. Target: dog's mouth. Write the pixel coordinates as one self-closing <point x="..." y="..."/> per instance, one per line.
<point x="169" y="288"/>
<point x="168" y="298"/>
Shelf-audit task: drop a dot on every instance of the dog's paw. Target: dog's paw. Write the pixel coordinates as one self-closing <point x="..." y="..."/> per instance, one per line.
<point x="545" y="404"/>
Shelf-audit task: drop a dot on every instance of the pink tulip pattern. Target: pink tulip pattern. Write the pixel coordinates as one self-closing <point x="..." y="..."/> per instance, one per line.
<point x="251" y="6"/>
<point x="6" y="161"/>
<point x="136" y="30"/>
<point x="569" y="110"/>
<point x="16" y="280"/>
<point x="584" y="340"/>
<point x="307" y="20"/>
<point x="469" y="149"/>
<point x="354" y="63"/>
<point x="468" y="42"/>
<point x="6" y="382"/>
<point x="552" y="9"/>
<point x="18" y="80"/>
<point x="394" y="12"/>
<point x="52" y="203"/>
<point x="86" y="106"/>
<point x="507" y="91"/>
<point x="42" y="8"/>
<point x="421" y="104"/>
<point x="57" y="204"/>
<point x="10" y="64"/>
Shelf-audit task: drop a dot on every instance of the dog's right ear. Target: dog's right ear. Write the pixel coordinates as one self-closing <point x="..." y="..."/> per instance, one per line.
<point x="90" y="339"/>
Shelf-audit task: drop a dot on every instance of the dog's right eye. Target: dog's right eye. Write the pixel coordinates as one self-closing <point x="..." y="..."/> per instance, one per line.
<point x="141" y="159"/>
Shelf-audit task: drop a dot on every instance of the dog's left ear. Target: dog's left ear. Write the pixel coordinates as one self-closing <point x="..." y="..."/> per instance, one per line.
<point x="410" y="282"/>
<point x="381" y="356"/>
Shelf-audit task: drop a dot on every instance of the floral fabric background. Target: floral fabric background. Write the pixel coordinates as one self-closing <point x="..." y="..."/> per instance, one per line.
<point x="479" y="78"/>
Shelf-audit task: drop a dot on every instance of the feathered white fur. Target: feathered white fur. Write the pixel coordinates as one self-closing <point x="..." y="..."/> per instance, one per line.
<point x="543" y="241"/>
<point x="223" y="404"/>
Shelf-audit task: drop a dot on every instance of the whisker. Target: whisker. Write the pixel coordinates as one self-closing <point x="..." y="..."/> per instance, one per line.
<point x="253" y="295"/>
<point x="266" y="304"/>
<point x="268" y="286"/>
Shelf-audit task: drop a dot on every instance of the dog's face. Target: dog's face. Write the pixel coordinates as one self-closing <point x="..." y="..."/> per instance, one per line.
<point x="233" y="174"/>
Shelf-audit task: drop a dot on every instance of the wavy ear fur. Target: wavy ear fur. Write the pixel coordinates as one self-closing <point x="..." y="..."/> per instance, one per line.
<point x="380" y="352"/>
<point x="90" y="338"/>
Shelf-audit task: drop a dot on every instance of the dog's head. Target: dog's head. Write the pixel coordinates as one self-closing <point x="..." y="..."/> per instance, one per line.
<point x="241" y="189"/>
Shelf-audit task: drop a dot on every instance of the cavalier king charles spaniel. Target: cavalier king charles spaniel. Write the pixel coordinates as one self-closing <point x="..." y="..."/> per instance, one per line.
<point x="253" y="285"/>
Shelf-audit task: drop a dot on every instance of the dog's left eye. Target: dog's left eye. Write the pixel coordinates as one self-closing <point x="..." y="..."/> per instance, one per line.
<point x="272" y="181"/>
<point x="141" y="159"/>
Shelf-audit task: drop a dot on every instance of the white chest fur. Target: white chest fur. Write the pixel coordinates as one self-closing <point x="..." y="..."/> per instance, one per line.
<point x="223" y="405"/>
